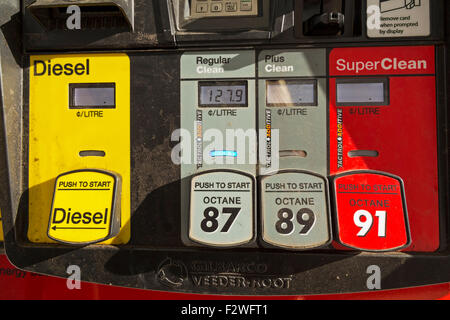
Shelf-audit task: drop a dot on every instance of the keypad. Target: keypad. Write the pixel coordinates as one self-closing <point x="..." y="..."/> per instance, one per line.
<point x="223" y="8"/>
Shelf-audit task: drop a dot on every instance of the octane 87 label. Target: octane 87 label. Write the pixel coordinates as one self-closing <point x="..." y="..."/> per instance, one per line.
<point x="371" y="212"/>
<point x="222" y="205"/>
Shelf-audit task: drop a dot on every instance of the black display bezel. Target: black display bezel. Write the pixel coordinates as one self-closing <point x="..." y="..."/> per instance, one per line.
<point x="293" y="104"/>
<point x="356" y="80"/>
<point x="73" y="86"/>
<point x="221" y="84"/>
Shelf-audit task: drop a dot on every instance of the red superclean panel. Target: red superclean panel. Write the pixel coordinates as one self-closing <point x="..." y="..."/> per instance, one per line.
<point x="370" y="211"/>
<point x="402" y="131"/>
<point x="382" y="61"/>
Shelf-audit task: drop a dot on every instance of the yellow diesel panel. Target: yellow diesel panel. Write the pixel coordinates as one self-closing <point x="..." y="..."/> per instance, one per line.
<point x="73" y="130"/>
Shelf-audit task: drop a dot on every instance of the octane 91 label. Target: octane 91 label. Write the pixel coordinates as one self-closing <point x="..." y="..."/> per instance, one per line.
<point x="371" y="211"/>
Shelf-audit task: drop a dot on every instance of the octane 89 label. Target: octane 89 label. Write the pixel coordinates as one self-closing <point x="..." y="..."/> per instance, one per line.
<point x="295" y="210"/>
<point x="371" y="212"/>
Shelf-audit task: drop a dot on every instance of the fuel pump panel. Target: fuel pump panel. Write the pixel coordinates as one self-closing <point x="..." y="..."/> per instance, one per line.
<point x="230" y="147"/>
<point x="66" y="136"/>
<point x="368" y="123"/>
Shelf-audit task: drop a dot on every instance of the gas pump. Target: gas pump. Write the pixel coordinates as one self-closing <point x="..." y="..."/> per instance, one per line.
<point x="247" y="147"/>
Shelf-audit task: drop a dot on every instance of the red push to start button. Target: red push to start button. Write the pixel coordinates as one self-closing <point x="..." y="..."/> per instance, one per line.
<point x="371" y="211"/>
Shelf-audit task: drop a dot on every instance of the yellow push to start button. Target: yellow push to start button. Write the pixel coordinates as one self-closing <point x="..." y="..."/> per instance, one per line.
<point x="85" y="207"/>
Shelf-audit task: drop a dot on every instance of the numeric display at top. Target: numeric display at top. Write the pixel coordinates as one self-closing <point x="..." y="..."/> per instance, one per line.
<point x="223" y="94"/>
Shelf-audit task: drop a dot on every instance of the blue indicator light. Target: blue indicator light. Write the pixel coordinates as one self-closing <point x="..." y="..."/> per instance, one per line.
<point x="223" y="153"/>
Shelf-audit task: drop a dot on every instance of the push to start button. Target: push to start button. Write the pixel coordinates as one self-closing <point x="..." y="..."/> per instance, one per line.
<point x="85" y="207"/>
<point x="371" y="211"/>
<point x="222" y="209"/>
<point x="295" y="210"/>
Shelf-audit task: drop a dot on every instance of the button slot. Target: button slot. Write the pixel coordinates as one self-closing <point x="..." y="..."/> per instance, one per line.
<point x="363" y="153"/>
<point x="293" y="153"/>
<point x="92" y="153"/>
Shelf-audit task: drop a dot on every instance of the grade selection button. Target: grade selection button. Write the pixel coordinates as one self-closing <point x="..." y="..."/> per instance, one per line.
<point x="85" y="207"/>
<point x="222" y="209"/>
<point x="246" y="5"/>
<point x="231" y="6"/>
<point x="216" y="7"/>
<point x="295" y="210"/>
<point x="202" y="8"/>
<point x="371" y="211"/>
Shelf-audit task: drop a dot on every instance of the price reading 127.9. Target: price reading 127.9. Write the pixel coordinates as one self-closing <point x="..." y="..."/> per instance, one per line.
<point x="223" y="94"/>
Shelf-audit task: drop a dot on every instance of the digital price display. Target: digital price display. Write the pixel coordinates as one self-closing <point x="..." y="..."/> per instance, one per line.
<point x="291" y="93"/>
<point x="351" y="92"/>
<point x="92" y="95"/>
<point x="223" y="94"/>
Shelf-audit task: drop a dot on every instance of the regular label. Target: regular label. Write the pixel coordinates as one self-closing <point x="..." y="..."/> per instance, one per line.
<point x="295" y="211"/>
<point x="218" y="64"/>
<point x="398" y="18"/>
<point x="221" y="209"/>
<point x="371" y="212"/>
<point x="83" y="207"/>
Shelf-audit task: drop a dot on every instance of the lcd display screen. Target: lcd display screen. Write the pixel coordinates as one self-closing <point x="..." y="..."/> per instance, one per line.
<point x="92" y="95"/>
<point x="362" y="93"/>
<point x="285" y="93"/>
<point x="223" y="94"/>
